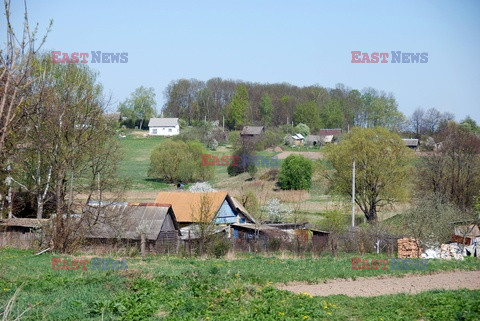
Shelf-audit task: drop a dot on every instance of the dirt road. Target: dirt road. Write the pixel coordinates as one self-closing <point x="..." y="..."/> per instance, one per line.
<point x="376" y="286"/>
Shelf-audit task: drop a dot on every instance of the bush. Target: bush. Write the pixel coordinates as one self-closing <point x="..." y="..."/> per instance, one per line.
<point x="220" y="247"/>
<point x="236" y="167"/>
<point x="234" y="139"/>
<point x="302" y="129"/>
<point x="296" y="173"/>
<point x="179" y="161"/>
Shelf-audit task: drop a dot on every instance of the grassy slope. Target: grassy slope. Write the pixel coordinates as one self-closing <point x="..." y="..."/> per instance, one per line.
<point x="216" y="289"/>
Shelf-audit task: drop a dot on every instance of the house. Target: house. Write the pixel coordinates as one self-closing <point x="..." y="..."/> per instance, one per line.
<point x="252" y="131"/>
<point x="20" y="232"/>
<point x="298" y="139"/>
<point x="219" y="207"/>
<point x="412" y="143"/>
<point x="163" y="127"/>
<point x="122" y="224"/>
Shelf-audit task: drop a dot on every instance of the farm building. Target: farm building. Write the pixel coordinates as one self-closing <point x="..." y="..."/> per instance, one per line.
<point x="246" y="234"/>
<point x="330" y="135"/>
<point x="313" y="140"/>
<point x="298" y="139"/>
<point x="218" y="206"/>
<point x="252" y="131"/>
<point x="163" y="127"/>
<point x="20" y="232"/>
<point x="121" y="224"/>
<point x="412" y="143"/>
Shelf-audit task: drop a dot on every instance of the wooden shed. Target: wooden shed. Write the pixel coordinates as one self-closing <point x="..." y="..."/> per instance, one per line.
<point x="20" y="232"/>
<point x="122" y="224"/>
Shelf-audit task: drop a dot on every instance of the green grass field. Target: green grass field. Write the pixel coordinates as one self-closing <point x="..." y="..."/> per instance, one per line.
<point x="172" y="288"/>
<point x="136" y="151"/>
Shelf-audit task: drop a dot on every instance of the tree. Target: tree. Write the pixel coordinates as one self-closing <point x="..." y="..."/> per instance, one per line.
<point x="471" y="125"/>
<point x="140" y="106"/>
<point x="430" y="219"/>
<point x="417" y="122"/>
<point x="237" y="110"/>
<point x="331" y="114"/>
<point x="302" y="129"/>
<point x="383" y="167"/>
<point x="266" y="109"/>
<point x="276" y="212"/>
<point x="176" y="161"/>
<point x="307" y="113"/>
<point x="296" y="173"/>
<point x="334" y="221"/>
<point x="453" y="170"/>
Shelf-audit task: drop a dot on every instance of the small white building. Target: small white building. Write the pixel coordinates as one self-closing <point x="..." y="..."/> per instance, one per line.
<point x="163" y="127"/>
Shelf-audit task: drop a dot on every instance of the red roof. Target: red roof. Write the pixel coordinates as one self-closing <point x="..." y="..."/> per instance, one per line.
<point x="330" y="131"/>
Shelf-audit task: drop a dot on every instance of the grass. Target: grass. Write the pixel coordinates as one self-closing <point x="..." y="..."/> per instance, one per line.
<point x="136" y="151"/>
<point x="173" y="288"/>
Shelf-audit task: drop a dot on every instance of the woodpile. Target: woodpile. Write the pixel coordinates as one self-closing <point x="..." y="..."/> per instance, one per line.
<point x="450" y="251"/>
<point x="407" y="248"/>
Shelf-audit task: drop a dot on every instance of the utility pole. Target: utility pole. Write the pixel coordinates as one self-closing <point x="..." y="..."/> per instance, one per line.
<point x="353" y="194"/>
<point x="223" y="122"/>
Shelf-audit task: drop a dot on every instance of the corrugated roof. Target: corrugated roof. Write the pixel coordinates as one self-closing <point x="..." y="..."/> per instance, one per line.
<point x="127" y="221"/>
<point x="163" y="122"/>
<point x="252" y="130"/>
<point x="186" y="204"/>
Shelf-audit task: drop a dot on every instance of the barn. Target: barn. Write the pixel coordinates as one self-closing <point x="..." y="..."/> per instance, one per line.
<point x="20" y="232"/>
<point x="122" y="225"/>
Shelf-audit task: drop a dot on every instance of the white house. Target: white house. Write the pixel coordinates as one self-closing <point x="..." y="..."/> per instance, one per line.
<point x="163" y="127"/>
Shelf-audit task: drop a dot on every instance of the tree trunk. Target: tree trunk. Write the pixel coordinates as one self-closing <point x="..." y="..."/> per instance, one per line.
<point x="372" y="213"/>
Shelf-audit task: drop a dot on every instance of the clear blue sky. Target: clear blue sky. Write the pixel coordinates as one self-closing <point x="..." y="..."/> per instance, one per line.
<point x="299" y="42"/>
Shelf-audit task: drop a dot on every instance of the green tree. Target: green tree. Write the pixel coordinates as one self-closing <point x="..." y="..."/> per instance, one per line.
<point x="141" y="106"/>
<point x="383" y="167"/>
<point x="471" y="125"/>
<point x="331" y="115"/>
<point x="296" y="173"/>
<point x="302" y="129"/>
<point x="179" y="161"/>
<point x="307" y="113"/>
<point x="266" y="109"/>
<point x="237" y="110"/>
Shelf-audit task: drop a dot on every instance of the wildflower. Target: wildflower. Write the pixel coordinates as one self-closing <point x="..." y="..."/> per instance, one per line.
<point x="305" y="317"/>
<point x="329" y="313"/>
<point x="281" y="313"/>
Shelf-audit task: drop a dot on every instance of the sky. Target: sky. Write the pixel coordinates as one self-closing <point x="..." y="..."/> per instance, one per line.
<point x="299" y="42"/>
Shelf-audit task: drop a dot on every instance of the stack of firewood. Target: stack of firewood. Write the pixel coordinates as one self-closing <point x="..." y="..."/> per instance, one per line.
<point x="407" y="248"/>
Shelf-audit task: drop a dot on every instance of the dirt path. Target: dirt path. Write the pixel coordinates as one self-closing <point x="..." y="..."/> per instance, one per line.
<point x="390" y="285"/>
<point x="311" y="155"/>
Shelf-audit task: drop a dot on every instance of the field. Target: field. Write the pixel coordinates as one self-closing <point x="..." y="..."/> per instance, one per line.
<point x="241" y="288"/>
<point x="136" y="149"/>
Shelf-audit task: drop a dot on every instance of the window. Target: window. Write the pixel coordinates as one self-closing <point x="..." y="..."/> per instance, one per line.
<point x="169" y="130"/>
<point x="154" y="131"/>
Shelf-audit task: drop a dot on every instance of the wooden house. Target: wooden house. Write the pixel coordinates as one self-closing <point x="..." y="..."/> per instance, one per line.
<point x="191" y="208"/>
<point x="122" y="224"/>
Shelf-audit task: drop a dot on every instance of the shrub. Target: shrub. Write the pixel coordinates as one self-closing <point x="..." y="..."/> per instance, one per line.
<point x="302" y="129"/>
<point x="234" y="139"/>
<point x="236" y="168"/>
<point x="296" y="173"/>
<point x="220" y="247"/>
<point x="179" y="161"/>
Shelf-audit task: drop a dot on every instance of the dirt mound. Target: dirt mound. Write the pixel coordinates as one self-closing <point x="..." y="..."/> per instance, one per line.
<point x="311" y="155"/>
<point x="367" y="287"/>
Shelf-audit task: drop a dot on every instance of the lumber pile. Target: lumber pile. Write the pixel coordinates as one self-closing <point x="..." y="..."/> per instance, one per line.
<point x="407" y="248"/>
